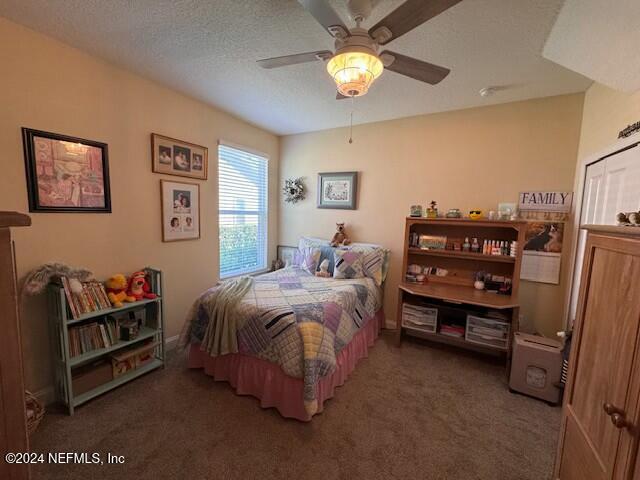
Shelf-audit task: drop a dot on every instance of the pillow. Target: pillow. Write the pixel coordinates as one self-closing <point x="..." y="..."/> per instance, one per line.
<point x="348" y="264"/>
<point x="375" y="261"/>
<point x="326" y="250"/>
<point x="308" y="259"/>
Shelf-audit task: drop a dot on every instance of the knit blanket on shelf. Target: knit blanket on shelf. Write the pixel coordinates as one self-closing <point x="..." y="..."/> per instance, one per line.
<point x="289" y="317"/>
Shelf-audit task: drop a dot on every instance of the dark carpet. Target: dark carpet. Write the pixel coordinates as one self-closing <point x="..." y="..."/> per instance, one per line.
<point x="421" y="411"/>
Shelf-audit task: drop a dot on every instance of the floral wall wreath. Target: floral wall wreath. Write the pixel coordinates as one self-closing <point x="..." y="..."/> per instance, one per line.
<point x="293" y="190"/>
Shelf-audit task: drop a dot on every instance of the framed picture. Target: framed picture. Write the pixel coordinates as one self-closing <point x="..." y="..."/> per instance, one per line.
<point x="286" y="254"/>
<point x="337" y="190"/>
<point x="175" y="157"/>
<point x="66" y="174"/>
<point x="180" y="210"/>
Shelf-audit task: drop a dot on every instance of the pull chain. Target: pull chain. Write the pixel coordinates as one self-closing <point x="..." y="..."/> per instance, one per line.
<point x="351" y="122"/>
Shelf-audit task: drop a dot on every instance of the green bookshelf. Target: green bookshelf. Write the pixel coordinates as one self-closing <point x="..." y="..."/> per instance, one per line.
<point x="66" y="365"/>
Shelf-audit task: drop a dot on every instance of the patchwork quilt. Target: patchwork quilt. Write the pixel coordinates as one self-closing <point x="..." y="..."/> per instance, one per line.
<point x="297" y="320"/>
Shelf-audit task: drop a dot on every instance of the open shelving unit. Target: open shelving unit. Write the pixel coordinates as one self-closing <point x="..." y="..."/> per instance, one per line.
<point x="65" y="365"/>
<point x="455" y="292"/>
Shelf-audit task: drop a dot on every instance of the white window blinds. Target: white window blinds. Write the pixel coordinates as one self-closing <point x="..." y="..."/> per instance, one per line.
<point x="242" y="211"/>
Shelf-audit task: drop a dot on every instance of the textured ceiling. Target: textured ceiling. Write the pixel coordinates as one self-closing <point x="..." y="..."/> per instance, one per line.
<point x="599" y="39"/>
<point x="208" y="49"/>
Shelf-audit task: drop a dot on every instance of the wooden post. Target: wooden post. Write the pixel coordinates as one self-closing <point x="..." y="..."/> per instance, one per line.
<point x="13" y="424"/>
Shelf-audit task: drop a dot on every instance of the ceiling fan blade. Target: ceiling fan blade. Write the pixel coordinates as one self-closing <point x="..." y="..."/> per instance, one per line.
<point x="408" y="16"/>
<point x="414" y="68"/>
<point x="285" y="60"/>
<point x="325" y="16"/>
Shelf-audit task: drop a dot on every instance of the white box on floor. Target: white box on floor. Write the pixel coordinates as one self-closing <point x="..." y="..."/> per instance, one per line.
<point x="536" y="366"/>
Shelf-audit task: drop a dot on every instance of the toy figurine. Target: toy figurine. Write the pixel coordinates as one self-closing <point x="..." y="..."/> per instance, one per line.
<point x="432" y="211"/>
<point x="475" y="214"/>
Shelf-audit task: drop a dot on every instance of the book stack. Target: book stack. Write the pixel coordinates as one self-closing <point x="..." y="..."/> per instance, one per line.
<point x="452" y="330"/>
<point x="93" y="336"/>
<point x="92" y="298"/>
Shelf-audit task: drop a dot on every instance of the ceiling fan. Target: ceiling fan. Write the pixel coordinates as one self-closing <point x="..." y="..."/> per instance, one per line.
<point x="357" y="61"/>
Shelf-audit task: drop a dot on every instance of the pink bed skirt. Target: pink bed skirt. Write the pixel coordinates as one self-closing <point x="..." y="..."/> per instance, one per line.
<point x="266" y="381"/>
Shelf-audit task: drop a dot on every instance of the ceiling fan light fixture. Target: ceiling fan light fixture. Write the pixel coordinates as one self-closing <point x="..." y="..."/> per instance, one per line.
<point x="354" y="71"/>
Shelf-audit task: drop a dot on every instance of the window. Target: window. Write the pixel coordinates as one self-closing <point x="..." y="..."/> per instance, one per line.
<point x="242" y="211"/>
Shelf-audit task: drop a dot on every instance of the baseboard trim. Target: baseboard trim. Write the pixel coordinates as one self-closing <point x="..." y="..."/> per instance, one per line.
<point x="171" y="343"/>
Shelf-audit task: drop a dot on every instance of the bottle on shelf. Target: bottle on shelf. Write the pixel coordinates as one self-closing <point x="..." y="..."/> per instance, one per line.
<point x="466" y="246"/>
<point x="475" y="246"/>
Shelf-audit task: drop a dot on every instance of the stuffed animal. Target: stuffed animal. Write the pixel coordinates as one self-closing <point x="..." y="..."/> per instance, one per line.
<point x="138" y="287"/>
<point x="622" y="219"/>
<point x="324" y="269"/>
<point x="117" y="290"/>
<point x="340" y="238"/>
<point x="631" y="218"/>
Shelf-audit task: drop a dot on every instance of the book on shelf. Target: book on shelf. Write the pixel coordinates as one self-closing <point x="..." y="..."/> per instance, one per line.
<point x="93" y="336"/>
<point x="91" y="298"/>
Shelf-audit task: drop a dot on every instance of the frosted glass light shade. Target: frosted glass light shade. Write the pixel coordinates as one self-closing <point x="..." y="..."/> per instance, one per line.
<point x="354" y="72"/>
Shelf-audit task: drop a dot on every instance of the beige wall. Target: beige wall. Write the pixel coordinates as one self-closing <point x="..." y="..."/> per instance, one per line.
<point x="50" y="86"/>
<point x="606" y="112"/>
<point x="466" y="159"/>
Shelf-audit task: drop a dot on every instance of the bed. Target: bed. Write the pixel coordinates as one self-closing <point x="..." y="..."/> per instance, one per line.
<point x="298" y="337"/>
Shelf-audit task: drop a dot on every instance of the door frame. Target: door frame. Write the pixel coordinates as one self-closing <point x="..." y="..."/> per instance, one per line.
<point x="576" y="213"/>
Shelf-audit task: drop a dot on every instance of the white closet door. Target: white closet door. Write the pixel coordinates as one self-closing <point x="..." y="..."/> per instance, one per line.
<point x="621" y="185"/>
<point x="591" y="213"/>
<point x="612" y="185"/>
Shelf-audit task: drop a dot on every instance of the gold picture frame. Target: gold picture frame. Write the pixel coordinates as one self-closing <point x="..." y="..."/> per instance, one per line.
<point x="176" y="157"/>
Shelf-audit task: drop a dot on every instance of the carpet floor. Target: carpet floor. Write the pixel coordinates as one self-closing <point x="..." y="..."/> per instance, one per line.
<point x="421" y="411"/>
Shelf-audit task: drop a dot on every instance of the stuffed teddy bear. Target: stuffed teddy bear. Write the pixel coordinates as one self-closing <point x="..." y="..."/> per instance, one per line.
<point x="340" y="238"/>
<point x="117" y="290"/>
<point x="324" y="269"/>
<point x="138" y="286"/>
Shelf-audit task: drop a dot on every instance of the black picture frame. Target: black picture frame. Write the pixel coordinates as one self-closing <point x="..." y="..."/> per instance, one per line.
<point x="35" y="205"/>
<point x="351" y="178"/>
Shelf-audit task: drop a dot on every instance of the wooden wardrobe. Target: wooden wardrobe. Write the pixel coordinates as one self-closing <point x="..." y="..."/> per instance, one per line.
<point x="13" y="427"/>
<point x="601" y="413"/>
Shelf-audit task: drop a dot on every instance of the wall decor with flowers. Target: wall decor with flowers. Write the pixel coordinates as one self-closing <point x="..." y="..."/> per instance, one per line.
<point x="294" y="190"/>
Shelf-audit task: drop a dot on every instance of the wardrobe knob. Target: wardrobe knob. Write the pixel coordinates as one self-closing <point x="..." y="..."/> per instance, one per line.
<point x="617" y="416"/>
<point x="619" y="421"/>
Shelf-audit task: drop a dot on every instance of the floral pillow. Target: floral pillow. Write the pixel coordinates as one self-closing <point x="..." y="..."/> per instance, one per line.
<point x="308" y="259"/>
<point x="348" y="264"/>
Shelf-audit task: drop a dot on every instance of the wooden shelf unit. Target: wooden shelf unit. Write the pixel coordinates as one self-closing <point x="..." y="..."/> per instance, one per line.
<point x="64" y="364"/>
<point x="457" y="289"/>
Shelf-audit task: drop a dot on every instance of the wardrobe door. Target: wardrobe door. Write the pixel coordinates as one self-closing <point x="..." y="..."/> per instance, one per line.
<point x="598" y="436"/>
